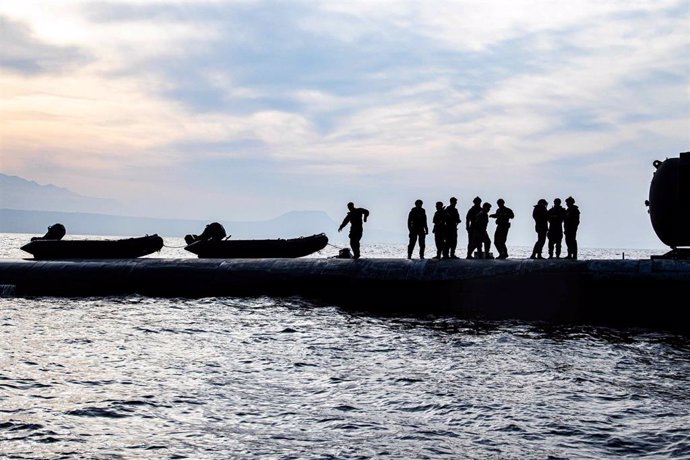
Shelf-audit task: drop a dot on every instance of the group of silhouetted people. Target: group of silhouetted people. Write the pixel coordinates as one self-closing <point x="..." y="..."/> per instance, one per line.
<point x="550" y="224"/>
<point x="446" y="220"/>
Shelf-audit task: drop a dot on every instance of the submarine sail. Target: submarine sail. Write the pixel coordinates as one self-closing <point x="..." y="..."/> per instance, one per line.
<point x="669" y="201"/>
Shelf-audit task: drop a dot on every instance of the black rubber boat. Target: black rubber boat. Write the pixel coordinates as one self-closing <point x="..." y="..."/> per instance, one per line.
<point x="127" y="248"/>
<point x="258" y="249"/>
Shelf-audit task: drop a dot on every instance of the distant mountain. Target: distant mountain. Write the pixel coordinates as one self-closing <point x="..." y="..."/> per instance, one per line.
<point x="18" y="193"/>
<point x="290" y="225"/>
<point x="29" y="207"/>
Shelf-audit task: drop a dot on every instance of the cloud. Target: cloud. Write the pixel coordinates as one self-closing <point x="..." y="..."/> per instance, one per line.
<point x="23" y="53"/>
<point x="361" y="97"/>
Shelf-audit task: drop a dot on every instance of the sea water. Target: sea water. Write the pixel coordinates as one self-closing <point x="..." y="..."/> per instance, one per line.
<point x="281" y="378"/>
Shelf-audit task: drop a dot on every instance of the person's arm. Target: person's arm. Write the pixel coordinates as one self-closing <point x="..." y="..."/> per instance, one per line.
<point x="426" y="225"/>
<point x="410" y="220"/>
<point x="365" y="213"/>
<point x="345" y="221"/>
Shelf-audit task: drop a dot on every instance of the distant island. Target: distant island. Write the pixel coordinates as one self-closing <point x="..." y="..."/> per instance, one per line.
<point x="29" y="207"/>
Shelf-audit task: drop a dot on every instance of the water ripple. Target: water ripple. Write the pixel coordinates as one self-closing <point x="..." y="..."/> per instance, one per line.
<point x="135" y="377"/>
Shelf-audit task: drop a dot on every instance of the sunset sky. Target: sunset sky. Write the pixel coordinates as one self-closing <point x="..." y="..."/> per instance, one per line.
<point x="244" y="110"/>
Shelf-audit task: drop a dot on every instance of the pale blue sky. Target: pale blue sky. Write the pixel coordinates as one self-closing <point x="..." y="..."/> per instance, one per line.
<point x="244" y="110"/>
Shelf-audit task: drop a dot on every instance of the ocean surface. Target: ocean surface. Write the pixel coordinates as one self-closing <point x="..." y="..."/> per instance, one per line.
<point x="283" y="378"/>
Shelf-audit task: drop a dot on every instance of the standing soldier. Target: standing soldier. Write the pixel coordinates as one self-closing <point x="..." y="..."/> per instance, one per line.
<point x="541" y="226"/>
<point x="502" y="215"/>
<point x="439" y="229"/>
<point x="480" y="235"/>
<point x="452" y="221"/>
<point x="555" y="216"/>
<point x="570" y="224"/>
<point x="417" y="225"/>
<point x="354" y="217"/>
<point x="469" y="221"/>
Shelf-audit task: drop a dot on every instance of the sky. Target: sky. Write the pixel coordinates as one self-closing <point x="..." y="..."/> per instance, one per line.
<point x="245" y="110"/>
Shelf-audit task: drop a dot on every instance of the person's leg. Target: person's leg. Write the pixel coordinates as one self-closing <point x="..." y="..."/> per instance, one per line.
<point x="568" y="245"/>
<point x="411" y="244"/>
<point x="453" y="243"/>
<point x="354" y="243"/>
<point x="503" y="243"/>
<point x="422" y="245"/>
<point x="541" y="235"/>
<point x="355" y="247"/>
<point x="559" y="240"/>
<point x="535" y="249"/>
<point x="574" y="246"/>
<point x="499" y="242"/>
<point x="438" y="239"/>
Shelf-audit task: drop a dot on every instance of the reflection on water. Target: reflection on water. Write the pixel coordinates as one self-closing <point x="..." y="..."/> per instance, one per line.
<point x="136" y="377"/>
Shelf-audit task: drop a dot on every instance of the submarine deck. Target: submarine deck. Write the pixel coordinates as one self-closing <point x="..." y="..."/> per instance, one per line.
<point x="646" y="293"/>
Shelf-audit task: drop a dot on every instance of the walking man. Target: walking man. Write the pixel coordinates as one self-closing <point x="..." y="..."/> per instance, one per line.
<point x="452" y="221"/>
<point x="555" y="216"/>
<point x="541" y="226"/>
<point x="502" y="215"/>
<point x="570" y="224"/>
<point x="355" y="217"/>
<point x="417" y="225"/>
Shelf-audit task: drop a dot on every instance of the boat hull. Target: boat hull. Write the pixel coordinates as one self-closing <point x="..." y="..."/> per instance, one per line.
<point x="94" y="249"/>
<point x="258" y="249"/>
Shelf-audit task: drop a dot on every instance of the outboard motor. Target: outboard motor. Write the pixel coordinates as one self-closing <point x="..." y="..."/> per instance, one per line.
<point x="55" y="232"/>
<point x="669" y="204"/>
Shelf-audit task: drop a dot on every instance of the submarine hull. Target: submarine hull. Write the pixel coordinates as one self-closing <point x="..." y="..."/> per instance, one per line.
<point x="669" y="200"/>
<point x="641" y="293"/>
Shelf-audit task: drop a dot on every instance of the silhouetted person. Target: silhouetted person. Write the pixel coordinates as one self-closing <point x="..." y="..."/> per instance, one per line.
<point x="439" y="230"/>
<point x="213" y="232"/>
<point x="541" y="226"/>
<point x="452" y="221"/>
<point x="355" y="217"/>
<point x="55" y="232"/>
<point x="555" y="216"/>
<point x="417" y="225"/>
<point x="570" y="224"/>
<point x="480" y="234"/>
<point x="502" y="215"/>
<point x="469" y="220"/>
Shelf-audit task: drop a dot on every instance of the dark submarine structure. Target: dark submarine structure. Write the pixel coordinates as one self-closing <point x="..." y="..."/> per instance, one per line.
<point x="644" y="293"/>
<point x="669" y="205"/>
